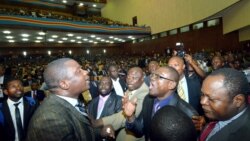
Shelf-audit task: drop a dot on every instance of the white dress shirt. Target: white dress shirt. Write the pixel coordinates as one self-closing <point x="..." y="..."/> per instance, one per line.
<point x="12" y="108"/>
<point x="118" y="87"/>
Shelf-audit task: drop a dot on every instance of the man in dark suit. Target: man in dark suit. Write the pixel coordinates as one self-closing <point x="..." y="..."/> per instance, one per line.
<point x="163" y="83"/>
<point x="15" y="124"/>
<point x="119" y="84"/>
<point x="3" y="80"/>
<point x="107" y="103"/>
<point x="188" y="88"/>
<point x="61" y="117"/>
<point x="224" y="101"/>
<point x="35" y="93"/>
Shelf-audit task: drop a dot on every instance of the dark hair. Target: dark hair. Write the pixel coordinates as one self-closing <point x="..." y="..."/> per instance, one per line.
<point x="234" y="81"/>
<point x="171" y="124"/>
<point x="5" y="86"/>
<point x="55" y="71"/>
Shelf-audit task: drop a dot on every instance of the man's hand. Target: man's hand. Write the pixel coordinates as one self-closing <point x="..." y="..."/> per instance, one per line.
<point x="199" y="122"/>
<point x="108" y="132"/>
<point x="128" y="106"/>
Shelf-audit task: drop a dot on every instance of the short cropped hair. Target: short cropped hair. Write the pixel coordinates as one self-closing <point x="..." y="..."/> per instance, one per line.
<point x="234" y="81"/>
<point x="171" y="124"/>
<point x="55" y="72"/>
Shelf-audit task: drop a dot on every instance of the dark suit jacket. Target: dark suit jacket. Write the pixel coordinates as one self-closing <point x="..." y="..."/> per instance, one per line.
<point x="40" y="95"/>
<point x="57" y="120"/>
<point x="5" y="79"/>
<point x="112" y="105"/>
<point x="29" y="108"/>
<point x="123" y="84"/>
<point x="141" y="125"/>
<point x="237" y="130"/>
<point x="194" y="93"/>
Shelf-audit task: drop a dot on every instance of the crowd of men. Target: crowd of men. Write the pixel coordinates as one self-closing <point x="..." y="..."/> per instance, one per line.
<point x="131" y="99"/>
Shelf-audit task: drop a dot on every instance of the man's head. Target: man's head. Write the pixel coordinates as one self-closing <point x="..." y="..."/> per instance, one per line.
<point x="14" y="89"/>
<point x="135" y="78"/>
<point x="163" y="81"/>
<point x="152" y="66"/>
<point x="217" y="62"/>
<point x="178" y="64"/>
<point x="34" y="85"/>
<point x="105" y="86"/>
<point x="113" y="71"/>
<point x="224" y="94"/>
<point x="171" y="124"/>
<point x="65" y="77"/>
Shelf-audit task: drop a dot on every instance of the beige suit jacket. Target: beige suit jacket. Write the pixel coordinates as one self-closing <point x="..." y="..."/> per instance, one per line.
<point x="118" y="120"/>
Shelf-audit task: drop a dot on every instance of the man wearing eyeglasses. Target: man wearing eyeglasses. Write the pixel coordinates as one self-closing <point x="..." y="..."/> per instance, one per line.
<point x="162" y="88"/>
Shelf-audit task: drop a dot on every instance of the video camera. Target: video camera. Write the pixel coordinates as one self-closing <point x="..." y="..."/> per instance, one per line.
<point x="180" y="49"/>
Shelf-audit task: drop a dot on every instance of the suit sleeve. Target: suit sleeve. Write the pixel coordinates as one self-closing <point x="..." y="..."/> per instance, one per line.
<point x="136" y="126"/>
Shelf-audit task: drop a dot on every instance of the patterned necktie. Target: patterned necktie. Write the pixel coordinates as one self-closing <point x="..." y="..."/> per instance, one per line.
<point x="207" y="131"/>
<point x="81" y="108"/>
<point x="18" y="122"/>
<point x="180" y="91"/>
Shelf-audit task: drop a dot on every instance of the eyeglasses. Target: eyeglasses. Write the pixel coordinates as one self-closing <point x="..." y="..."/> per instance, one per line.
<point x="155" y="76"/>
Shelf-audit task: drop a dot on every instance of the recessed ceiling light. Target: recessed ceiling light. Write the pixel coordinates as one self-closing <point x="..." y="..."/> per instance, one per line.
<point x="70" y="35"/>
<point x="102" y="40"/>
<point x="85" y="39"/>
<point x="90" y="41"/>
<point x="78" y="37"/>
<point x="6" y="32"/>
<point x="39" y="38"/>
<point x="130" y="37"/>
<point x="115" y="38"/>
<point x="81" y="4"/>
<point x="111" y="42"/>
<point x="107" y="41"/>
<point x="94" y="5"/>
<point x="60" y="42"/>
<point x="51" y="40"/>
<point x="65" y="39"/>
<point x="11" y="41"/>
<point x="64" y="1"/>
<point x="9" y="37"/>
<point x="98" y="38"/>
<point x="54" y="36"/>
<point x="95" y="42"/>
<point x="41" y="33"/>
<point x="72" y="40"/>
<point x="37" y="41"/>
<point x="111" y="37"/>
<point x="25" y="39"/>
<point x="92" y="36"/>
<point x="79" y="42"/>
<point x="25" y="35"/>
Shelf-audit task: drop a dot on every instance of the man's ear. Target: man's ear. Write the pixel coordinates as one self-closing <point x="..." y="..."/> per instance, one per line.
<point x="64" y="84"/>
<point x="172" y="85"/>
<point x="5" y="92"/>
<point x="239" y="100"/>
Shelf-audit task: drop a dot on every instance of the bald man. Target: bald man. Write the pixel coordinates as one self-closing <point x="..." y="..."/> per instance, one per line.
<point x="163" y="83"/>
<point x="136" y="89"/>
<point x="188" y="89"/>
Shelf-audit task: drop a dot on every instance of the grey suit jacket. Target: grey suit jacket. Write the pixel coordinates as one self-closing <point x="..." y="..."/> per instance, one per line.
<point x="58" y="120"/>
<point x="118" y="120"/>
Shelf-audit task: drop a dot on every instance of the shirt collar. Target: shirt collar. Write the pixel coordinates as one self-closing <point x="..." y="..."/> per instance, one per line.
<point x="164" y="102"/>
<point x="11" y="102"/>
<point x="72" y="101"/>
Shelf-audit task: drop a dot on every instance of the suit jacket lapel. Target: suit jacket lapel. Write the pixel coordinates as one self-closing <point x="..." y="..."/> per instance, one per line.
<point x="8" y="119"/>
<point x="95" y="106"/>
<point x="74" y="111"/>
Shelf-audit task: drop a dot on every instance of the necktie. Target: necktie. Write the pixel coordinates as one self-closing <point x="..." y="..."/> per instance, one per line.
<point x="207" y="131"/>
<point x="18" y="122"/>
<point x="180" y="91"/>
<point x="81" y="108"/>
